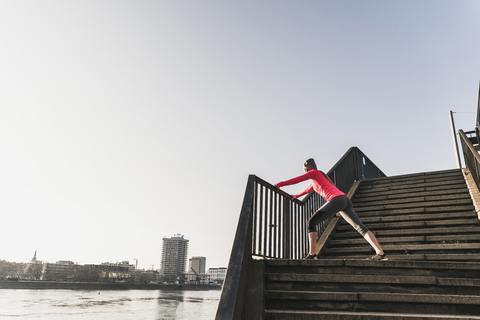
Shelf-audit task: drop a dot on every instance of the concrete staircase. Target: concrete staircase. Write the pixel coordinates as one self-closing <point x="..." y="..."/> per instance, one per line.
<point x="427" y="225"/>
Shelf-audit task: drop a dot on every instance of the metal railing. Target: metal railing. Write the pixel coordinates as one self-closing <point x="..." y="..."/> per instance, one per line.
<point x="470" y="153"/>
<point x="279" y="223"/>
<point x="273" y="226"/>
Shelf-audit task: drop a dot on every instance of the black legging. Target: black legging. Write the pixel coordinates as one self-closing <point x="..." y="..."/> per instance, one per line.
<point x="341" y="204"/>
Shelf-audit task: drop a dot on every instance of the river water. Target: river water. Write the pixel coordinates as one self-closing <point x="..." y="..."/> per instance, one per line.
<point x="111" y="305"/>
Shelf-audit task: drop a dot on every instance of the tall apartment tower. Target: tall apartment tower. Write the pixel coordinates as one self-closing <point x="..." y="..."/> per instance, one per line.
<point x="174" y="255"/>
<point x="197" y="265"/>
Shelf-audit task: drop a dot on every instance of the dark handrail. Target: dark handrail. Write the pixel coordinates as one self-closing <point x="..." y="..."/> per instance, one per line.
<point x="478" y="110"/>
<point x="472" y="158"/>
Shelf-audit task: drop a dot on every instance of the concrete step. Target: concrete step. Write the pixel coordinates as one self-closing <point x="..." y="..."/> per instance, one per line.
<point x="450" y="257"/>
<point x="373" y="296"/>
<point x="399" y="185"/>
<point x="422" y="239"/>
<point x="434" y="209"/>
<point x="438" y="175"/>
<point x="417" y="201"/>
<point x="348" y="315"/>
<point x="371" y="271"/>
<point x="407" y="247"/>
<point x="405" y="232"/>
<point x="376" y="266"/>
<point x="422" y="174"/>
<point x="410" y="194"/>
<point x="414" y="204"/>
<point x="389" y="181"/>
<point x="415" y="224"/>
<point x="372" y="301"/>
<point x="369" y="191"/>
<point x="385" y="287"/>
<point x="417" y="217"/>
<point x="338" y="278"/>
<point x="368" y="186"/>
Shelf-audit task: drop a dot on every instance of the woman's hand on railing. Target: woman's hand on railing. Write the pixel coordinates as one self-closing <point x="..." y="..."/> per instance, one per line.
<point x="291" y="196"/>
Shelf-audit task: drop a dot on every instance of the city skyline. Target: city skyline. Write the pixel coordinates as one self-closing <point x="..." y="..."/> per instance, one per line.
<point x="134" y="261"/>
<point x="131" y="262"/>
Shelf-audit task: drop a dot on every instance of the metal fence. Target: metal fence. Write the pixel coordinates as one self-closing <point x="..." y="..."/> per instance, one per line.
<point x="470" y="153"/>
<point x="280" y="224"/>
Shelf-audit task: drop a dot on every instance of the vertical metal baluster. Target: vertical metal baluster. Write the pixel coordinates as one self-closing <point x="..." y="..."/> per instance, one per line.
<point x="307" y="217"/>
<point x="275" y="219"/>
<point x="302" y="232"/>
<point x="297" y="232"/>
<point x="255" y="216"/>
<point x="265" y="227"/>
<point x="306" y="210"/>
<point x="280" y="227"/>
<point x="305" y="230"/>
<point x="260" y="222"/>
<point x="290" y="228"/>
<point x="294" y="230"/>
<point x="285" y="228"/>
<point x="265" y="224"/>
<point x="271" y="225"/>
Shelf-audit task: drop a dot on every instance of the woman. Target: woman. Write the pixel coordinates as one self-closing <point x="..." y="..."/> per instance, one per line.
<point x="337" y="201"/>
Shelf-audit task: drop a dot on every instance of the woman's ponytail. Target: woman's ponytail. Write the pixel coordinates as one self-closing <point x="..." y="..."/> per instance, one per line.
<point x="327" y="177"/>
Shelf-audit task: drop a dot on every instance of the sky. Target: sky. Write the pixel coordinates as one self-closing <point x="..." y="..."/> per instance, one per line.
<point x="123" y="122"/>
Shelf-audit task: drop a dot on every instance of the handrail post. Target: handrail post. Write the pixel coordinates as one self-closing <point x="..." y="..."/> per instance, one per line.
<point x="286" y="228"/>
<point x="455" y="144"/>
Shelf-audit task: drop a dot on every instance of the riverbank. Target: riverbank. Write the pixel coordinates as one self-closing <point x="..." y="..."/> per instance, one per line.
<point x="100" y="286"/>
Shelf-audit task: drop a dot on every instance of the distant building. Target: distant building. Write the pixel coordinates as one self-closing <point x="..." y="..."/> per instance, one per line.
<point x="217" y="275"/>
<point x="61" y="270"/>
<point x="196" y="271"/>
<point x="119" y="271"/>
<point x="174" y="257"/>
<point x="196" y="278"/>
<point x="197" y="265"/>
<point x="35" y="269"/>
<point x="106" y="272"/>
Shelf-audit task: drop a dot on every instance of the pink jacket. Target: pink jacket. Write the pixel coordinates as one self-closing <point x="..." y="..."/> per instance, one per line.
<point x="319" y="183"/>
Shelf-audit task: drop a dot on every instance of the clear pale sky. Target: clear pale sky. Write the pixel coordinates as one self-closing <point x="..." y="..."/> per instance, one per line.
<point x="123" y="122"/>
